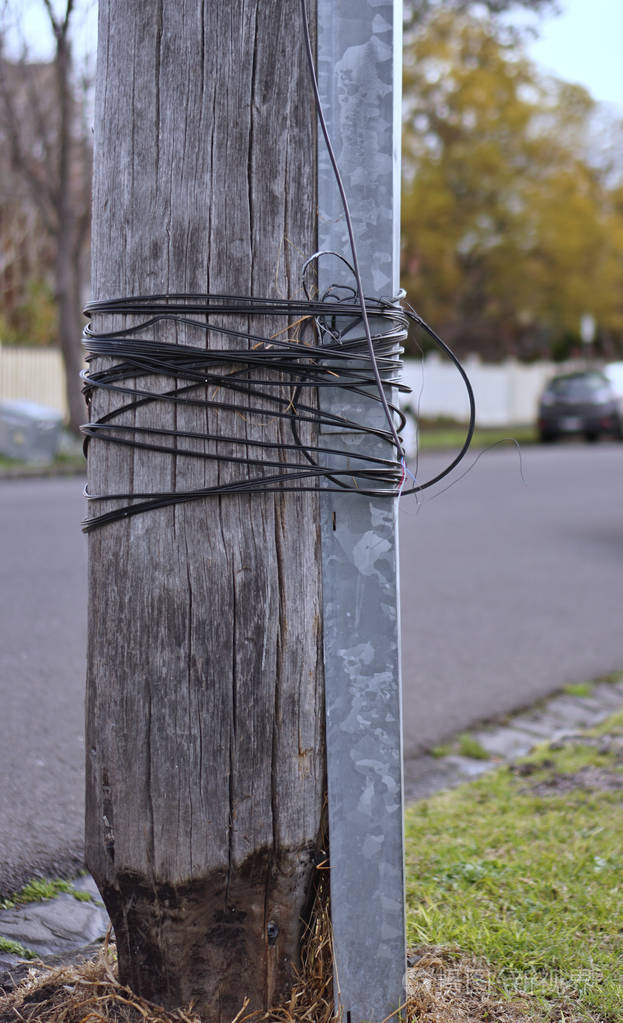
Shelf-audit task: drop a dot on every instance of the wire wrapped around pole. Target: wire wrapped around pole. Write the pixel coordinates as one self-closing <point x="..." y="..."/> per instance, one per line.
<point x="279" y="379"/>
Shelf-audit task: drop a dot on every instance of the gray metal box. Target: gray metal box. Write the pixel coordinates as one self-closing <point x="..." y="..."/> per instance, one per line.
<point x="29" y="431"/>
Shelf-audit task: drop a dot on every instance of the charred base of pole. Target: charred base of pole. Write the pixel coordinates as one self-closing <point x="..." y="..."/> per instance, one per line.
<point x="218" y="941"/>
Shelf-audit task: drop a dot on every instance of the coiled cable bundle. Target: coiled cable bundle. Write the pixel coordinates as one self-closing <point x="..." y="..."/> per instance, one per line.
<point x="261" y="378"/>
<point x="342" y="342"/>
<point x="279" y="379"/>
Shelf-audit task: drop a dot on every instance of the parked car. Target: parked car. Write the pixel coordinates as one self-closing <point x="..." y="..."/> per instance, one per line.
<point x="614" y="372"/>
<point x="585" y="403"/>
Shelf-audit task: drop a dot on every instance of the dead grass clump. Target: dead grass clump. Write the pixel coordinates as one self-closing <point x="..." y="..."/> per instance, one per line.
<point x="442" y="988"/>
<point x="86" y="993"/>
<point x="91" y="993"/>
<point x="447" y="988"/>
<point x="312" y="999"/>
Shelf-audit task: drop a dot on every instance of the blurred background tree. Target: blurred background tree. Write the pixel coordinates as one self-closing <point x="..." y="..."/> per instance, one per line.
<point x="512" y="195"/>
<point x="418" y="12"/>
<point x="512" y="226"/>
<point x="45" y="191"/>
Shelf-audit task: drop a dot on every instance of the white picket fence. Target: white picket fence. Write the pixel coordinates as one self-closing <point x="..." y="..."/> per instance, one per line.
<point x="33" y="373"/>
<point x="506" y="394"/>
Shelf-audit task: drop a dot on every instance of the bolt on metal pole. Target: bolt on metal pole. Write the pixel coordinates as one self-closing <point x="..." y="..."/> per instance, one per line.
<point x="359" y="72"/>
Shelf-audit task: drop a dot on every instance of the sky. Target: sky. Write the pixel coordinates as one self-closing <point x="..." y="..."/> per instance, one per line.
<point x="36" y="26"/>
<point x="583" y="44"/>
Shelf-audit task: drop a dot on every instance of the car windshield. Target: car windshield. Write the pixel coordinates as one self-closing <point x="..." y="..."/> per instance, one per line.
<point x="614" y="373"/>
<point x="577" y="386"/>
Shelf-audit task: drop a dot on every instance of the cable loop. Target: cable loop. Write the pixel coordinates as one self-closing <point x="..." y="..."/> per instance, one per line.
<point x="280" y="379"/>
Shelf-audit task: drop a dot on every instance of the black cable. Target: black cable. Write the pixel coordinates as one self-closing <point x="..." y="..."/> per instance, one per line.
<point x="261" y="369"/>
<point x="355" y="268"/>
<point x="279" y="379"/>
<point x="413" y="316"/>
<point x="348" y="219"/>
<point x="273" y="374"/>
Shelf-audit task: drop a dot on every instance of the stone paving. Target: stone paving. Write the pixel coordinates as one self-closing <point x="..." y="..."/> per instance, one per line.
<point x="52" y="928"/>
<point x="62" y="929"/>
<point x="512" y="738"/>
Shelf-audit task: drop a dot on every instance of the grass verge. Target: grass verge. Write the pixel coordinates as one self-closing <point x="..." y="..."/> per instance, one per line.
<point x="468" y="746"/>
<point x="521" y="871"/>
<point x="513" y="891"/>
<point x="14" y="948"/>
<point x="64" y="464"/>
<point x="579" y="689"/>
<point x="39" y="889"/>
<point x="432" y="436"/>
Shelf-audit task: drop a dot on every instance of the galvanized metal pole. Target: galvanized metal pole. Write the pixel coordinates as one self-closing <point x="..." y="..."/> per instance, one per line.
<point x="359" y="70"/>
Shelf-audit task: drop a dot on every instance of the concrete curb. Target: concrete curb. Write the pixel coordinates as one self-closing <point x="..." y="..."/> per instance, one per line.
<point x="517" y="735"/>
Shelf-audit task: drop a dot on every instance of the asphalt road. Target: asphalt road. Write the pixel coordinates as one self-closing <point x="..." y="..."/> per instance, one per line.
<point x="510" y="589"/>
<point x="42" y="652"/>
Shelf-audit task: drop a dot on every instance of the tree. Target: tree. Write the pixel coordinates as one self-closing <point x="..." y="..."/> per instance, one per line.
<point x="418" y="12"/>
<point x="28" y="313"/>
<point x="46" y="141"/>
<point x="205" y="737"/>
<point x="510" y="231"/>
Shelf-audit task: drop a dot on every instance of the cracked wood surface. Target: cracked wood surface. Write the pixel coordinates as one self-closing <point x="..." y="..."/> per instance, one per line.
<point x="205" y="740"/>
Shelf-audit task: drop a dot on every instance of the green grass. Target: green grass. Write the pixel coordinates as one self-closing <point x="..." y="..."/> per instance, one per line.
<point x="452" y="435"/>
<point x="610" y="679"/>
<point x="14" y="948"/>
<point x="529" y="882"/>
<point x="39" y="889"/>
<point x="9" y="463"/>
<point x="470" y="747"/>
<point x="63" y="463"/>
<point x="464" y="745"/>
<point x="579" y="689"/>
<point x="441" y="751"/>
<point x="613" y="725"/>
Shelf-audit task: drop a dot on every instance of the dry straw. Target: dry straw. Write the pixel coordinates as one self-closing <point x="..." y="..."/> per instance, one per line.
<point x="90" y="992"/>
<point x="443" y="988"/>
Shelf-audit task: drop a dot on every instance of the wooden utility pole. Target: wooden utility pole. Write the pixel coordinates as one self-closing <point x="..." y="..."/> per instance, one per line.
<point x="205" y="736"/>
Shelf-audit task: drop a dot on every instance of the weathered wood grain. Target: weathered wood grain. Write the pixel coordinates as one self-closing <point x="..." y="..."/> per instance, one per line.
<point x="205" y="739"/>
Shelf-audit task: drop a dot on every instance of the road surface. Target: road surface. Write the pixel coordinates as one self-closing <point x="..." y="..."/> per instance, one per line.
<point x="42" y="653"/>
<point x="510" y="589"/>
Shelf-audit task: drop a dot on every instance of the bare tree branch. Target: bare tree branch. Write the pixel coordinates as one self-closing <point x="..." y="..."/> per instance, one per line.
<point x="60" y="27"/>
<point x="40" y="191"/>
<point x="47" y="143"/>
<point x="53" y="22"/>
<point x="70" y="5"/>
<point x="42" y="127"/>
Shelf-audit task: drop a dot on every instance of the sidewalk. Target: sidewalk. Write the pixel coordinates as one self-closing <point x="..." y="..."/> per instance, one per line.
<point x="66" y="929"/>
